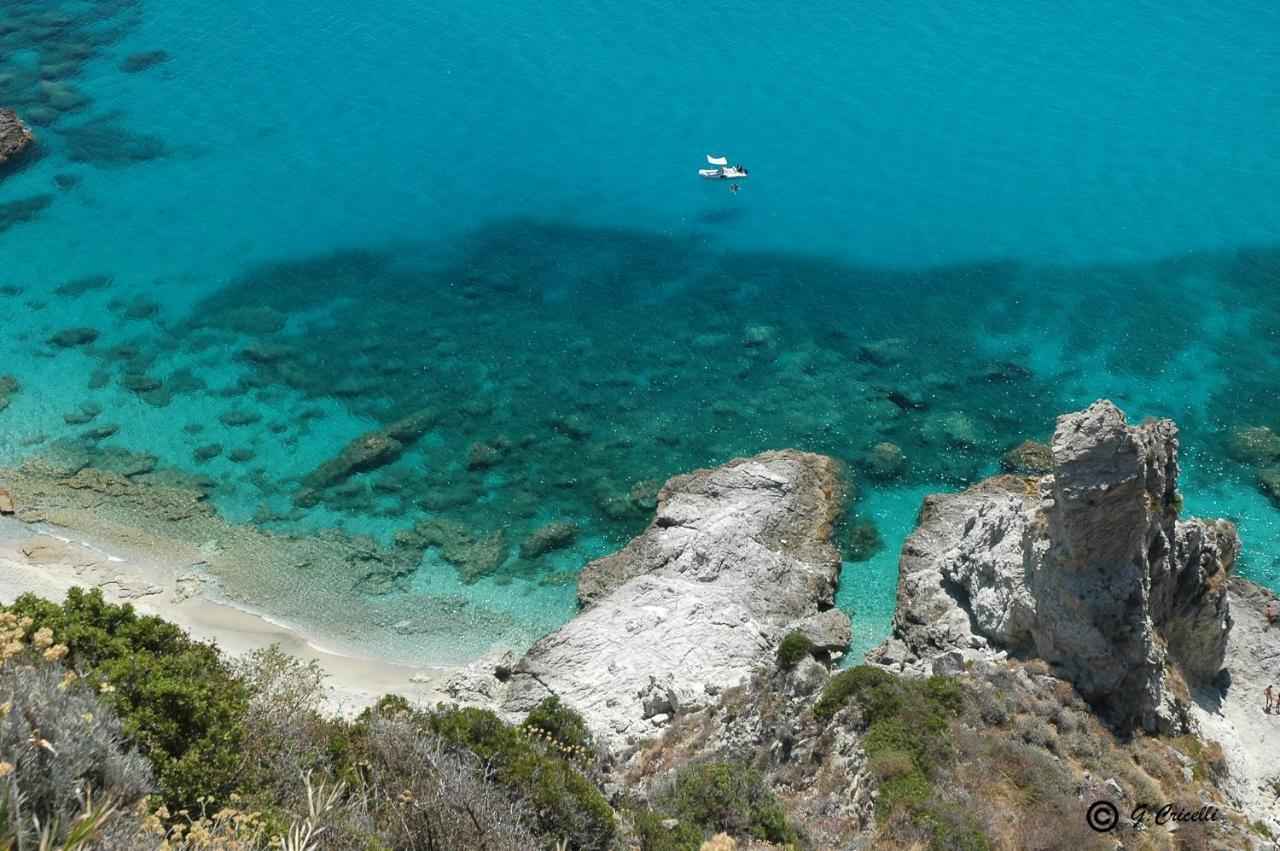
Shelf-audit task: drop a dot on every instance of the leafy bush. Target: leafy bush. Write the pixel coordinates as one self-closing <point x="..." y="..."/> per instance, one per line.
<point x="566" y="805"/>
<point x="177" y="700"/>
<point x="653" y="835"/>
<point x="715" y="797"/>
<point x="792" y="649"/>
<point x="58" y="744"/>
<point x="552" y="718"/>
<point x="847" y="685"/>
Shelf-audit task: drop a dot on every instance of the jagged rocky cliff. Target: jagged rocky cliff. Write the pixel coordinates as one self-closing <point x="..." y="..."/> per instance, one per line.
<point x="1087" y="567"/>
<point x="735" y="558"/>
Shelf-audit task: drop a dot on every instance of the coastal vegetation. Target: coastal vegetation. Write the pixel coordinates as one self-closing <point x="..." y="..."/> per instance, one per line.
<point x="710" y="799"/>
<point x="120" y="729"/>
<point x="792" y="649"/>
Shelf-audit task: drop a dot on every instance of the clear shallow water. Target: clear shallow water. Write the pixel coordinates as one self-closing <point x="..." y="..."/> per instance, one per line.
<point x="1046" y="208"/>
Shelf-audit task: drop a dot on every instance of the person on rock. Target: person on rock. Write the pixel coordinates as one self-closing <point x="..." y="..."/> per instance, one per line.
<point x="1267" y="694"/>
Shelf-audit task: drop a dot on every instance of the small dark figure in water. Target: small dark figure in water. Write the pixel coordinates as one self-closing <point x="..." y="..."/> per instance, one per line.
<point x="734" y="188"/>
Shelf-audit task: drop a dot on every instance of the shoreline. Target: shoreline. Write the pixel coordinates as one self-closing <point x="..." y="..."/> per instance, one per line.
<point x="48" y="563"/>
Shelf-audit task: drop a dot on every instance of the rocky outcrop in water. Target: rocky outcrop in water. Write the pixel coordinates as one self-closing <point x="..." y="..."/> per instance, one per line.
<point x="372" y="450"/>
<point x="14" y="135"/>
<point x="736" y="557"/>
<point x="1087" y="567"/>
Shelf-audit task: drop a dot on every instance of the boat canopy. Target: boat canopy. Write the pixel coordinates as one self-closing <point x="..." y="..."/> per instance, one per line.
<point x="717" y="160"/>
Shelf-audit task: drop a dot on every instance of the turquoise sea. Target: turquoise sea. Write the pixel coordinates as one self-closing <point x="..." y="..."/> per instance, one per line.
<point x="289" y="224"/>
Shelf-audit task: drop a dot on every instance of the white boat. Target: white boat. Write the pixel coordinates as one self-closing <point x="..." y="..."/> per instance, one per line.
<point x="724" y="172"/>
<point x="729" y="173"/>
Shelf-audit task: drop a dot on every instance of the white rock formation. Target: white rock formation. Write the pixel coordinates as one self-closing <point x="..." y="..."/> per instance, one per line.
<point x="736" y="557"/>
<point x="1087" y="567"/>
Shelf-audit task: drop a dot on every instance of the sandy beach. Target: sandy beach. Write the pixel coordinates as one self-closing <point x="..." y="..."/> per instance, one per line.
<point x="48" y="562"/>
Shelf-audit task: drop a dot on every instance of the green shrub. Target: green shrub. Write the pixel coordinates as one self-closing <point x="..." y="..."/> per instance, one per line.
<point x="653" y="835"/>
<point x="388" y="706"/>
<point x="723" y="797"/>
<point x="847" y="685"/>
<point x="566" y="804"/>
<point x="792" y="649"/>
<point x="909" y="792"/>
<point x="560" y="722"/>
<point x="175" y="697"/>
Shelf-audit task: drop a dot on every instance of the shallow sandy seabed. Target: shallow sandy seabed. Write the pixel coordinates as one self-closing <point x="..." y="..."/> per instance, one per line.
<point x="48" y="564"/>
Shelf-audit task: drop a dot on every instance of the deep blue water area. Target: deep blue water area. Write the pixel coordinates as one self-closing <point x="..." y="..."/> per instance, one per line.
<point x="290" y="225"/>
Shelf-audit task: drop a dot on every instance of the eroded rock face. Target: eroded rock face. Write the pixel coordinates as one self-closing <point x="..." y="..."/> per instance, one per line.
<point x="736" y="557"/>
<point x="1087" y="567"/>
<point x="14" y="135"/>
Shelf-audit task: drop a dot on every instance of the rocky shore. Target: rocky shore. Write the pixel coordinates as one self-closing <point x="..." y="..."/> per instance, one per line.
<point x="1082" y="619"/>
<point x="1064" y="631"/>
<point x="736" y="557"/>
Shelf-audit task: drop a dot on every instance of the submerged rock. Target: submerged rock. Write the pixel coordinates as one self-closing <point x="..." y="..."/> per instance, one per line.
<point x="736" y="557"/>
<point x="14" y="135"/>
<point x="475" y="555"/>
<point x="80" y="286"/>
<point x="885" y="352"/>
<point x="373" y="449"/>
<point x="1028" y="458"/>
<point x="545" y="539"/>
<point x="1254" y="445"/>
<point x="23" y="210"/>
<point x="72" y="337"/>
<point x="1088" y="568"/>
<point x="250" y="320"/>
<point x="139" y="383"/>
<point x="884" y="461"/>
<point x="482" y="456"/>
<point x="1268" y="481"/>
<point x="207" y="452"/>
<point x="137" y="62"/>
<point x="9" y="387"/>
<point x="239" y="418"/>
<point x="107" y="143"/>
<point x="102" y="432"/>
